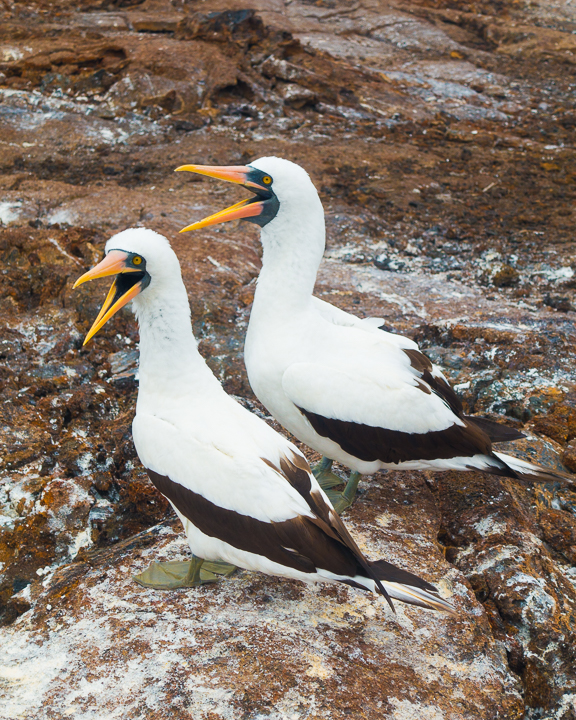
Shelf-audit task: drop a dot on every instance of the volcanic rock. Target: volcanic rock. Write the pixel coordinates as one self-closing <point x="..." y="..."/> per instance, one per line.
<point x="440" y="135"/>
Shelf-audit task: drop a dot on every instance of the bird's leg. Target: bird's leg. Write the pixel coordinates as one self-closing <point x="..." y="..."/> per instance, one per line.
<point x="346" y="498"/>
<point x="351" y="487"/>
<point x="324" y="465"/>
<point x="193" y="575"/>
<point x="327" y="480"/>
<point x="177" y="574"/>
<point x="323" y="473"/>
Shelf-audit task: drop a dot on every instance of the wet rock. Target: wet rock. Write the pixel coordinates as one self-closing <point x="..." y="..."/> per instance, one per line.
<point x="560" y="424"/>
<point x="297" y="96"/>
<point x="559" y="531"/>
<point x="382" y="262"/>
<point x="238" y="26"/>
<point x="123" y="367"/>
<point x="526" y="593"/>
<point x="569" y="456"/>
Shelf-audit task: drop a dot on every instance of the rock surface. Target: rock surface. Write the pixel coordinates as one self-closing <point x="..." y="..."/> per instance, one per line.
<point x="441" y="136"/>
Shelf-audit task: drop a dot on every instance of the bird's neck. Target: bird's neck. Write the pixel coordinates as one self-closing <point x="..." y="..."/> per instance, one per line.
<point x="291" y="257"/>
<point x="171" y="367"/>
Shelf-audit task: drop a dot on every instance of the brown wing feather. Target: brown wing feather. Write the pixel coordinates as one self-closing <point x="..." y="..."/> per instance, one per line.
<point x="497" y="432"/>
<point x="301" y="543"/>
<point x="297" y="473"/>
<point x="424" y="366"/>
<point x="370" y="443"/>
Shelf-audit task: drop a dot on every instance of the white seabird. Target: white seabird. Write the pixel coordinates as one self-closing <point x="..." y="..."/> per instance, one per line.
<point x="367" y="398"/>
<point x="245" y="495"/>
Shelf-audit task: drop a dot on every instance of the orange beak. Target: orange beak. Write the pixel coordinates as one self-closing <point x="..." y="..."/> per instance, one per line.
<point x="238" y="174"/>
<point x="231" y="173"/>
<point x="124" y="288"/>
<point x="113" y="264"/>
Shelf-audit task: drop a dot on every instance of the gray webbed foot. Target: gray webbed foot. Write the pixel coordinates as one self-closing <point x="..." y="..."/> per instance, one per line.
<point x="183" y="574"/>
<point x="328" y="480"/>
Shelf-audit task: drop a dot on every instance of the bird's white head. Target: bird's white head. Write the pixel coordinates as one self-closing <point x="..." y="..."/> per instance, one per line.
<point x="294" y="190"/>
<point x="145" y="267"/>
<point x="284" y="195"/>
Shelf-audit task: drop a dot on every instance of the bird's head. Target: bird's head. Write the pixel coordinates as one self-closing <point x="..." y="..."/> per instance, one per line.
<point x="283" y="193"/>
<point x="140" y="260"/>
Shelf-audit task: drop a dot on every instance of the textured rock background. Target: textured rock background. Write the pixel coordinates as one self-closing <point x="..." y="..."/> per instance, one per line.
<point x="441" y="136"/>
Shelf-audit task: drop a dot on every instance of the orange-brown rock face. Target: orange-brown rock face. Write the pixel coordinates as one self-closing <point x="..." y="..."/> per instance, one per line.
<point x="441" y="138"/>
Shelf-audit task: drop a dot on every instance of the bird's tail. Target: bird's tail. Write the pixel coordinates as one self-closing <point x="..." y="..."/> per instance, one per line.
<point x="497" y="432"/>
<point x="409" y="588"/>
<point x="527" y="471"/>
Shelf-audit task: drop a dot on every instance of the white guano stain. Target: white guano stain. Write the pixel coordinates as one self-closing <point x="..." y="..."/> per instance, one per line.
<point x="406" y="710"/>
<point x="9" y="212"/>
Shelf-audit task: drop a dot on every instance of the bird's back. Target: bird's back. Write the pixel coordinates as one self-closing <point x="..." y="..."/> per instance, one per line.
<point x="220" y="450"/>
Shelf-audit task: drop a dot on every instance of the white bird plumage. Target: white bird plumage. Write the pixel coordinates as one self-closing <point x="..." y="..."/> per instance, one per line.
<point x="349" y="390"/>
<point x="304" y="353"/>
<point x="230" y="477"/>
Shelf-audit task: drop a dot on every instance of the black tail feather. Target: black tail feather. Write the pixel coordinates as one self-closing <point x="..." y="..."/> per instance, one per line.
<point x="386" y="571"/>
<point x="495" y="430"/>
<point x="528" y="472"/>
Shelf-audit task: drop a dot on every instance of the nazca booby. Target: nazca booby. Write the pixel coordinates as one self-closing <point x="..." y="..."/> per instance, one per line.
<point x="345" y="387"/>
<point x="245" y="494"/>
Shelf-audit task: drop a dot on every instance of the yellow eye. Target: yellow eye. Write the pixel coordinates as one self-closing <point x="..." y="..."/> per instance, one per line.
<point x="267" y="179"/>
<point x="137" y="260"/>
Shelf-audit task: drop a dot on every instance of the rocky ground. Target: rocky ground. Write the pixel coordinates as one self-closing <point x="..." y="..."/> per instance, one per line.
<point x="441" y="136"/>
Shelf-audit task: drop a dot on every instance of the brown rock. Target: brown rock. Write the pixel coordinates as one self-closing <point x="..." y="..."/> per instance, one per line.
<point x="569" y="456"/>
<point x="560" y="424"/>
<point x="250" y="645"/>
<point x="439" y="169"/>
<point x="559" y="531"/>
<point x="499" y="550"/>
<point x="506" y="277"/>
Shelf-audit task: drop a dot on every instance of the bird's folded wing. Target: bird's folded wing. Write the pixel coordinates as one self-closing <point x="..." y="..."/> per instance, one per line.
<point x="392" y="402"/>
<point x="336" y="316"/>
<point x="388" y="419"/>
<point x="401" y="349"/>
<point x="235" y="479"/>
<point x="275" y="510"/>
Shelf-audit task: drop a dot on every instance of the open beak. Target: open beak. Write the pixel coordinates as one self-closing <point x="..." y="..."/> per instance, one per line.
<point x="239" y="174"/>
<point x="231" y="173"/>
<point x="127" y="284"/>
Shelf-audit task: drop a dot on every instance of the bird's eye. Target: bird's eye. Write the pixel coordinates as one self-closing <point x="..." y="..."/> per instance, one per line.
<point x="267" y="179"/>
<point x="137" y="260"/>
